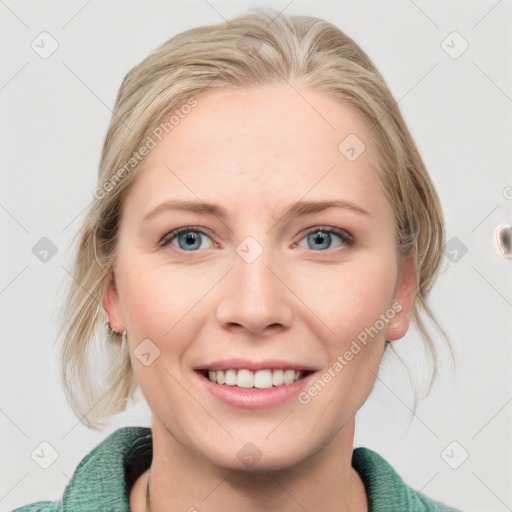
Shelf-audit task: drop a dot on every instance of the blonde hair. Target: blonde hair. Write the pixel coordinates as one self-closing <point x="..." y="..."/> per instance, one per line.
<point x="258" y="48"/>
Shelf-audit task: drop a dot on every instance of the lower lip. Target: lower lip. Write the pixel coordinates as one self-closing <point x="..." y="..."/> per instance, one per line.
<point x="254" y="398"/>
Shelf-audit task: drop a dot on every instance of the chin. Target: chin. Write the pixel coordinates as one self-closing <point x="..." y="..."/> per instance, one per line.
<point x="256" y="456"/>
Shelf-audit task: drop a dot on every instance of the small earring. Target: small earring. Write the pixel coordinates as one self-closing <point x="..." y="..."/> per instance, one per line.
<point x="124" y="336"/>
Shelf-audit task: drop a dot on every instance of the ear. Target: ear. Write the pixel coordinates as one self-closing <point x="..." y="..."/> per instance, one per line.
<point x="112" y="307"/>
<point x="405" y="293"/>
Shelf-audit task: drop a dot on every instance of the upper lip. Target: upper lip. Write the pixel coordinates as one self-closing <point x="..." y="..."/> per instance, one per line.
<point x="243" y="364"/>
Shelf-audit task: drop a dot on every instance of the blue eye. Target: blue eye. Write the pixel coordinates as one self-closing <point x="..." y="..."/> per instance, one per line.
<point x="188" y="239"/>
<point x="191" y="239"/>
<point x="321" y="238"/>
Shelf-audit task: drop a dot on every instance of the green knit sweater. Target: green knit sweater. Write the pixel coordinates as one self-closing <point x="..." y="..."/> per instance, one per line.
<point x="103" y="479"/>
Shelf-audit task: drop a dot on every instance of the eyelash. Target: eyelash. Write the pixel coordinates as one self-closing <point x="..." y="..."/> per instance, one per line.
<point x="346" y="238"/>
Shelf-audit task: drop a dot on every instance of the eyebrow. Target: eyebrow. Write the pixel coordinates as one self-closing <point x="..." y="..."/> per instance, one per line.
<point x="295" y="210"/>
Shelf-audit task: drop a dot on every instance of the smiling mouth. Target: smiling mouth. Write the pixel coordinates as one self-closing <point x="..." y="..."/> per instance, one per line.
<point x="260" y="379"/>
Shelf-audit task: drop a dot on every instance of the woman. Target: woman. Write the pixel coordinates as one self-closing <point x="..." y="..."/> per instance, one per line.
<point x="263" y="229"/>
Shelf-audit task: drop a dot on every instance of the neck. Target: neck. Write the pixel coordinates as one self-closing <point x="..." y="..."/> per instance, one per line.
<point x="324" y="481"/>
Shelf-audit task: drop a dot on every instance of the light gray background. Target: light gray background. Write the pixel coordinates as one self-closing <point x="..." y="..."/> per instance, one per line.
<point x="55" y="114"/>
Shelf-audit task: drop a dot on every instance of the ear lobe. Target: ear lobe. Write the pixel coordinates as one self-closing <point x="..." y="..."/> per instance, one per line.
<point x="405" y="294"/>
<point x="112" y="307"/>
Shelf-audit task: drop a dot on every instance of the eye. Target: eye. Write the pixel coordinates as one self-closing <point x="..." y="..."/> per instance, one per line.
<point x="321" y="238"/>
<point x="188" y="239"/>
<point x="191" y="239"/>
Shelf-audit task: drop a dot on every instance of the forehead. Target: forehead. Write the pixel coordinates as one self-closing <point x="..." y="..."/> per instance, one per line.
<point x="268" y="143"/>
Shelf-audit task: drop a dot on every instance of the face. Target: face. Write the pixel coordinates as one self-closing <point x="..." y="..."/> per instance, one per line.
<point x="218" y="270"/>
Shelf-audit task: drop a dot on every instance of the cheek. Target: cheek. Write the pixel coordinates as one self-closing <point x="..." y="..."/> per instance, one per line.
<point x="159" y="303"/>
<point x="352" y="305"/>
<point x="163" y="304"/>
<point x="353" y="298"/>
<point x="157" y="297"/>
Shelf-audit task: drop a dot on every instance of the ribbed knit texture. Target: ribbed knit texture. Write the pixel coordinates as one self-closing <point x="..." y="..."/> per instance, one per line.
<point x="102" y="481"/>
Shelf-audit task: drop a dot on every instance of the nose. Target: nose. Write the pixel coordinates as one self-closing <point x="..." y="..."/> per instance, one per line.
<point x="255" y="297"/>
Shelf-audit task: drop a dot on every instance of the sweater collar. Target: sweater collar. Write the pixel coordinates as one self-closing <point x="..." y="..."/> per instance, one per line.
<point x="104" y="478"/>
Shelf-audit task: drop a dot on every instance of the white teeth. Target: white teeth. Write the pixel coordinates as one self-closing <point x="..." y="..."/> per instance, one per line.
<point x="261" y="379"/>
<point x="277" y="377"/>
<point x="244" y="379"/>
<point x="289" y="376"/>
<point x="230" y="377"/>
